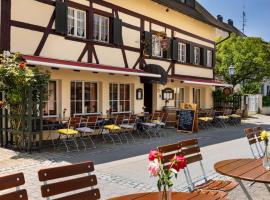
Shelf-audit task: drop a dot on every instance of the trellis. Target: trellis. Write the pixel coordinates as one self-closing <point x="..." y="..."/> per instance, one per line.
<point x="232" y="102"/>
<point x="29" y="133"/>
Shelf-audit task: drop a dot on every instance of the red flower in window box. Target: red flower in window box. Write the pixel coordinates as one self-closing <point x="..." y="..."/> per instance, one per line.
<point x="22" y="65"/>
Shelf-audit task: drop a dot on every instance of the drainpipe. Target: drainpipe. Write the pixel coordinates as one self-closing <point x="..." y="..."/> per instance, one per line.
<point x="224" y="39"/>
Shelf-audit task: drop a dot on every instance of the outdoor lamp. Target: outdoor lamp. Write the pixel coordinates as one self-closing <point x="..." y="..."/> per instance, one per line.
<point x="231" y="70"/>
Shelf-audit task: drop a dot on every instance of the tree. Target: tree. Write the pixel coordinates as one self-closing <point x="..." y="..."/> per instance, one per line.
<point x="250" y="56"/>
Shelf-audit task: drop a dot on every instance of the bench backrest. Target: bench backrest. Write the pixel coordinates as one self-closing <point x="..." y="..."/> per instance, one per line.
<point x="84" y="181"/>
<point x="13" y="181"/>
<point x="168" y="152"/>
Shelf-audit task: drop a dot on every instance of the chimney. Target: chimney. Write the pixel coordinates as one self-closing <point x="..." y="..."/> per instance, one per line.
<point x="230" y="22"/>
<point x="220" y="18"/>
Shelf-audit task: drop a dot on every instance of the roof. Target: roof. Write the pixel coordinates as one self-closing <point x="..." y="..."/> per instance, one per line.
<point x="199" y="13"/>
<point x="199" y="80"/>
<point x="50" y="62"/>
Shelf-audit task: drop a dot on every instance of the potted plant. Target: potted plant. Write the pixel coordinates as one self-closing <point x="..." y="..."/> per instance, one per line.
<point x="164" y="173"/>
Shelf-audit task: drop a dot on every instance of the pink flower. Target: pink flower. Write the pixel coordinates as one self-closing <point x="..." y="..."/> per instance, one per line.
<point x="153" y="154"/>
<point x="153" y="168"/>
<point x="179" y="162"/>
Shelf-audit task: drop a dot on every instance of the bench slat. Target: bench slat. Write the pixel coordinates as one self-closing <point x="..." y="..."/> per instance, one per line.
<point x="65" y="171"/>
<point x="10" y="181"/>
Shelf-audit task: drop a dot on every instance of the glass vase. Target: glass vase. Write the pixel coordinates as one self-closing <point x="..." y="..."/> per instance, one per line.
<point x="165" y="194"/>
<point x="266" y="159"/>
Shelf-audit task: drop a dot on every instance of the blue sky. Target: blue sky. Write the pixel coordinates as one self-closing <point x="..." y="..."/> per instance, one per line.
<point x="257" y="14"/>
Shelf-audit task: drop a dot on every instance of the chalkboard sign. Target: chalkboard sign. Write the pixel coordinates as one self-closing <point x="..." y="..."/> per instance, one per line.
<point x="185" y="119"/>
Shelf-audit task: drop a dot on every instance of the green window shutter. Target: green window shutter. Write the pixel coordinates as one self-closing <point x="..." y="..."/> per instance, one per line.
<point x="204" y="57"/>
<point x="190" y="53"/>
<point x="117" y="31"/>
<point x="175" y="50"/>
<point x="148" y="43"/>
<point x="169" y="49"/>
<point x="61" y="17"/>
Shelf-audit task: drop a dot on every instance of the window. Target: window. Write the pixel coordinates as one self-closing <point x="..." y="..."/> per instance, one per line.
<point x="101" y="28"/>
<point x="209" y="58"/>
<point x="84" y="97"/>
<point x="197" y="55"/>
<point x="182" y="52"/>
<point x="76" y="23"/>
<point x="50" y="103"/>
<point x="156" y="46"/>
<point x="179" y="97"/>
<point x="197" y="97"/>
<point x="120" y="100"/>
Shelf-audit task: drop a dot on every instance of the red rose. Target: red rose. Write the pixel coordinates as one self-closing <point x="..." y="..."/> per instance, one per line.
<point x="179" y="162"/>
<point x="22" y="65"/>
<point x="153" y="155"/>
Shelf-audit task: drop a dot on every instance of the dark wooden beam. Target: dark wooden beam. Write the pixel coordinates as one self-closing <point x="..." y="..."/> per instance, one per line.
<point x="95" y="55"/>
<point x="5" y="25"/>
<point x="83" y="53"/>
<point x="45" y="35"/>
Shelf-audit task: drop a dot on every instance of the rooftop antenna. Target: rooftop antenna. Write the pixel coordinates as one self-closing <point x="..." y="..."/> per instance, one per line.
<point x="244" y="18"/>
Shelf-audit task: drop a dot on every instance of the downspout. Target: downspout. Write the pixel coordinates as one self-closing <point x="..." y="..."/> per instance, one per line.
<point x="224" y="39"/>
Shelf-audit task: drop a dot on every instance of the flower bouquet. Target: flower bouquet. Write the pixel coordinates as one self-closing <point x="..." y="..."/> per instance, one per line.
<point x="266" y="158"/>
<point x="164" y="173"/>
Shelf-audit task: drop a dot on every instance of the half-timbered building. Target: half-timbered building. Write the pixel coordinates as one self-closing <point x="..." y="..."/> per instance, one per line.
<point x="116" y="54"/>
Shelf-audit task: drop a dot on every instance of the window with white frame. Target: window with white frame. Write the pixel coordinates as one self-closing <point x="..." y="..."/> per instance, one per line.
<point x="209" y="58"/>
<point x="84" y="97"/>
<point x="197" y="97"/>
<point x="120" y="97"/>
<point x="197" y="55"/>
<point x="179" y="97"/>
<point x="182" y="55"/>
<point x="76" y="23"/>
<point x="156" y="46"/>
<point x="50" y="103"/>
<point x="101" y="28"/>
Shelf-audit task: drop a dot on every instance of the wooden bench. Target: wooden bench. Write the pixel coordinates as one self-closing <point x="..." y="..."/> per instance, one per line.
<point x="59" y="187"/>
<point x="13" y="181"/>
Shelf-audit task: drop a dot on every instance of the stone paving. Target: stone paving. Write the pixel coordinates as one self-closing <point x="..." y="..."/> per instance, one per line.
<point x="121" y="169"/>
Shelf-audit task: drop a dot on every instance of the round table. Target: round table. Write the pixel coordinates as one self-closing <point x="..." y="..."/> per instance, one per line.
<point x="175" y="196"/>
<point x="244" y="169"/>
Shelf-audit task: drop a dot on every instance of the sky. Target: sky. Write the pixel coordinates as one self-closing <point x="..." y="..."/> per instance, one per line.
<point x="257" y="14"/>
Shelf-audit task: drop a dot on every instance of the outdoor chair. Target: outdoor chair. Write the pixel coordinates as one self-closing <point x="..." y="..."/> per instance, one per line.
<point x="253" y="142"/>
<point x="257" y="131"/>
<point x="222" y="118"/>
<point x="205" y="119"/>
<point x="65" y="181"/>
<point x="8" y="183"/>
<point x="168" y="152"/>
<point x="125" y="133"/>
<point x="111" y="132"/>
<point x="88" y="129"/>
<point x="191" y="150"/>
<point x="68" y="135"/>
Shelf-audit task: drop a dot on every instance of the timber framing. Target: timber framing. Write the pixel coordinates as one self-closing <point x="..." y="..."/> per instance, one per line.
<point x="5" y="25"/>
<point x="89" y="49"/>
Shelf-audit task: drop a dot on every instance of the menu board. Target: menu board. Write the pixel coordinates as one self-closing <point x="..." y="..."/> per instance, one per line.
<point x="185" y="119"/>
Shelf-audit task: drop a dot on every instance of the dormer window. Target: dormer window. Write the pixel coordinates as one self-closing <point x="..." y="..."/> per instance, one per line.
<point x="101" y="28"/>
<point x="76" y="23"/>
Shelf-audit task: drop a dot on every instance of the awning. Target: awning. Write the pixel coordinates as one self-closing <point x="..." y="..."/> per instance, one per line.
<point x="63" y="64"/>
<point x="155" y="69"/>
<point x="200" y="81"/>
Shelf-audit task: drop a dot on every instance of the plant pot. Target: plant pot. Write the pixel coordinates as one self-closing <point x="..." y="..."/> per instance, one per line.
<point x="165" y="195"/>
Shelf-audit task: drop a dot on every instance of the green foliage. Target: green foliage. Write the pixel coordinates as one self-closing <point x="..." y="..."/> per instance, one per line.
<point x="266" y="100"/>
<point x="250" y="57"/>
<point x="250" y="88"/>
<point x="15" y="80"/>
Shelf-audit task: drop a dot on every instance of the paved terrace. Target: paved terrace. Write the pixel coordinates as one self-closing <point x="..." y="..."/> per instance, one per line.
<point x="121" y="169"/>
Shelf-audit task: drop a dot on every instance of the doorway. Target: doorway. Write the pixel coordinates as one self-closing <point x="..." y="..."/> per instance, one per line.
<point x="148" y="97"/>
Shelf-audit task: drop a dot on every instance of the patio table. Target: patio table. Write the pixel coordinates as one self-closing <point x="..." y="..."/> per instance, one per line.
<point x="175" y="196"/>
<point x="244" y="169"/>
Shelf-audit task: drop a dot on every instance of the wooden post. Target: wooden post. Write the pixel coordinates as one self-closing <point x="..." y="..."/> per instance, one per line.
<point x="29" y="118"/>
<point x="41" y="104"/>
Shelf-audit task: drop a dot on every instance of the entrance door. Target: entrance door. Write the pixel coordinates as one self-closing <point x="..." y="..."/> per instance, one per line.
<point x="148" y="97"/>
